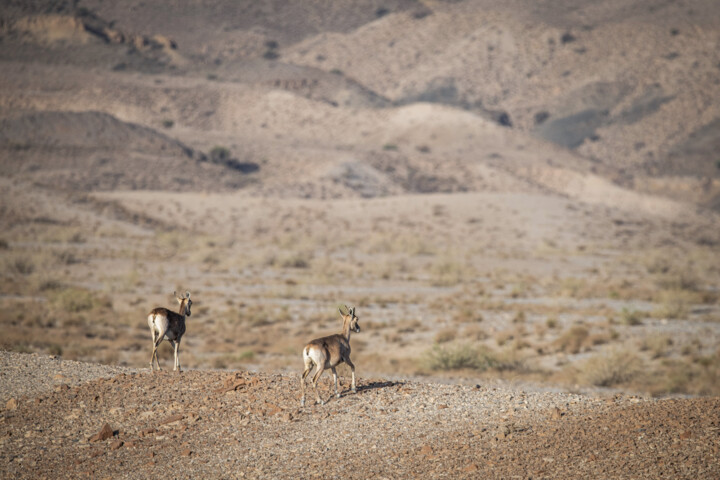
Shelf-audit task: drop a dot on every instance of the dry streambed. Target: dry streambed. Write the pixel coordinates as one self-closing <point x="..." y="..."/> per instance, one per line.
<point x="220" y="424"/>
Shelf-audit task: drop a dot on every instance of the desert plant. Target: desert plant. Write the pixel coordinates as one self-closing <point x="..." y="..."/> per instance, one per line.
<point x="657" y="344"/>
<point x="74" y="300"/>
<point x="630" y="317"/>
<point x="20" y="265"/>
<point x="610" y="368"/>
<point x="447" y="272"/>
<point x="674" y="304"/>
<point x="457" y="357"/>
<point x="445" y="335"/>
<point x="219" y="154"/>
<point x="572" y="339"/>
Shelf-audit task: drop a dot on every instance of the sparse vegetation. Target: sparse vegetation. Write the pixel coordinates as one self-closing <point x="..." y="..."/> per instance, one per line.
<point x="457" y="357"/>
<point x="610" y="369"/>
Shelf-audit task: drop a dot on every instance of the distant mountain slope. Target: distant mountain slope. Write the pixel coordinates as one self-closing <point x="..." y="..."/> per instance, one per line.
<point x="629" y="88"/>
<point x="96" y="151"/>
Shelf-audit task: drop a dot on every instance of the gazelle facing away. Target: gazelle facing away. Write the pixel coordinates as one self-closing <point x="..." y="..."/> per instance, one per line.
<point x="166" y="323"/>
<point x="329" y="352"/>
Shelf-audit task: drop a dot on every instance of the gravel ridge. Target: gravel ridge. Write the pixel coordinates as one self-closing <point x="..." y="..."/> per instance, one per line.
<point x="219" y="424"/>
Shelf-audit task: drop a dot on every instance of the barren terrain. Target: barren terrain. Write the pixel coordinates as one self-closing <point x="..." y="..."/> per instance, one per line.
<point x="214" y="424"/>
<point x="523" y="197"/>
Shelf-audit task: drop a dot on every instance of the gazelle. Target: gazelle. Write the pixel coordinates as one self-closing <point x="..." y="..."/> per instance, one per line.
<point x="329" y="352"/>
<point x="166" y="323"/>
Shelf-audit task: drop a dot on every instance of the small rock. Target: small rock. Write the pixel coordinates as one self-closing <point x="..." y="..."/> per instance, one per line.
<point x="441" y="407"/>
<point x="116" y="444"/>
<point x="556" y="414"/>
<point x="686" y="434"/>
<point x="471" y="468"/>
<point x="105" y="432"/>
<point x="171" y="419"/>
<point x="426" y="450"/>
<point x="11" y="404"/>
<point x="186" y="453"/>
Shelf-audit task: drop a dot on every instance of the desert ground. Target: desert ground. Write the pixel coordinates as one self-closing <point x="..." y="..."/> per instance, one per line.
<point x="522" y="202"/>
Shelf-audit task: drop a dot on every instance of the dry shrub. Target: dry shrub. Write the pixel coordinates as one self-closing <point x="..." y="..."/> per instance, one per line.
<point x="674" y="304"/>
<point x="474" y="332"/>
<point x="572" y="339"/>
<point x="658" y="344"/>
<point x="445" y="335"/>
<point x="504" y="336"/>
<point x="698" y="375"/>
<point x="609" y="368"/>
<point x="631" y="317"/>
<point x="20" y="265"/>
<point x="447" y="272"/>
<point x="457" y="357"/>
<point x="75" y="300"/>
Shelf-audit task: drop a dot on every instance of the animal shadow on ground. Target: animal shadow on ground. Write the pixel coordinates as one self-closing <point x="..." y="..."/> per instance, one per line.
<point x="374" y="385"/>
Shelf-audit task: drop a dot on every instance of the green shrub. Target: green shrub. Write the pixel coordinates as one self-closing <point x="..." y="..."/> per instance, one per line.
<point x="457" y="357"/>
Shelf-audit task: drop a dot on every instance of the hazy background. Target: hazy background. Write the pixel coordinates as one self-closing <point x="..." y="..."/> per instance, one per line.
<point x="523" y="191"/>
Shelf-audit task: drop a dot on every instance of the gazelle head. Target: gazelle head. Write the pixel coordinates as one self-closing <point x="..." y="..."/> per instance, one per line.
<point x="354" y="320"/>
<point x="185" y="303"/>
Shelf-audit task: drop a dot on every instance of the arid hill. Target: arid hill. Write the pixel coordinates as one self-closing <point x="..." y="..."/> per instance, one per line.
<point x="519" y="198"/>
<point x="600" y="81"/>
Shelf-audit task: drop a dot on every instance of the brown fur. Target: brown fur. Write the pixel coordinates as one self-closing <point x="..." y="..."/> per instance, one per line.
<point x="329" y="352"/>
<point x="170" y="325"/>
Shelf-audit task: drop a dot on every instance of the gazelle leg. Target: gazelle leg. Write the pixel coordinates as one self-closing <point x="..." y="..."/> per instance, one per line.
<point x="315" y="379"/>
<point x="337" y="395"/>
<point x="306" y="372"/>
<point x="152" y="357"/>
<point x="352" y="369"/>
<point x="173" y="345"/>
<point x="157" y="344"/>
<point x="177" y="355"/>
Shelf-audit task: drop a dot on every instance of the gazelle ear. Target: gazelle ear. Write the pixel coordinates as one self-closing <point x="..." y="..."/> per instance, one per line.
<point x="341" y="314"/>
<point x="175" y="294"/>
<point x="187" y="294"/>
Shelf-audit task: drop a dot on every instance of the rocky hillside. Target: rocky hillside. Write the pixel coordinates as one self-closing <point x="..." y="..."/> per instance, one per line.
<point x="246" y="425"/>
<point x="623" y="91"/>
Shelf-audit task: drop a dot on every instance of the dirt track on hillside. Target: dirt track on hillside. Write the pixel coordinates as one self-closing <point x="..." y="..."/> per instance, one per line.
<point x="220" y="424"/>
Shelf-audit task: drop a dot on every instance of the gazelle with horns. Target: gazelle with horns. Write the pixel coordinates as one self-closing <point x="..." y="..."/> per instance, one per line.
<point x="165" y="323"/>
<point x="329" y="352"/>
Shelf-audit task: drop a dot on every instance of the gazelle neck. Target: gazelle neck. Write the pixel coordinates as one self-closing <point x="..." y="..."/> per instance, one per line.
<point x="346" y="328"/>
